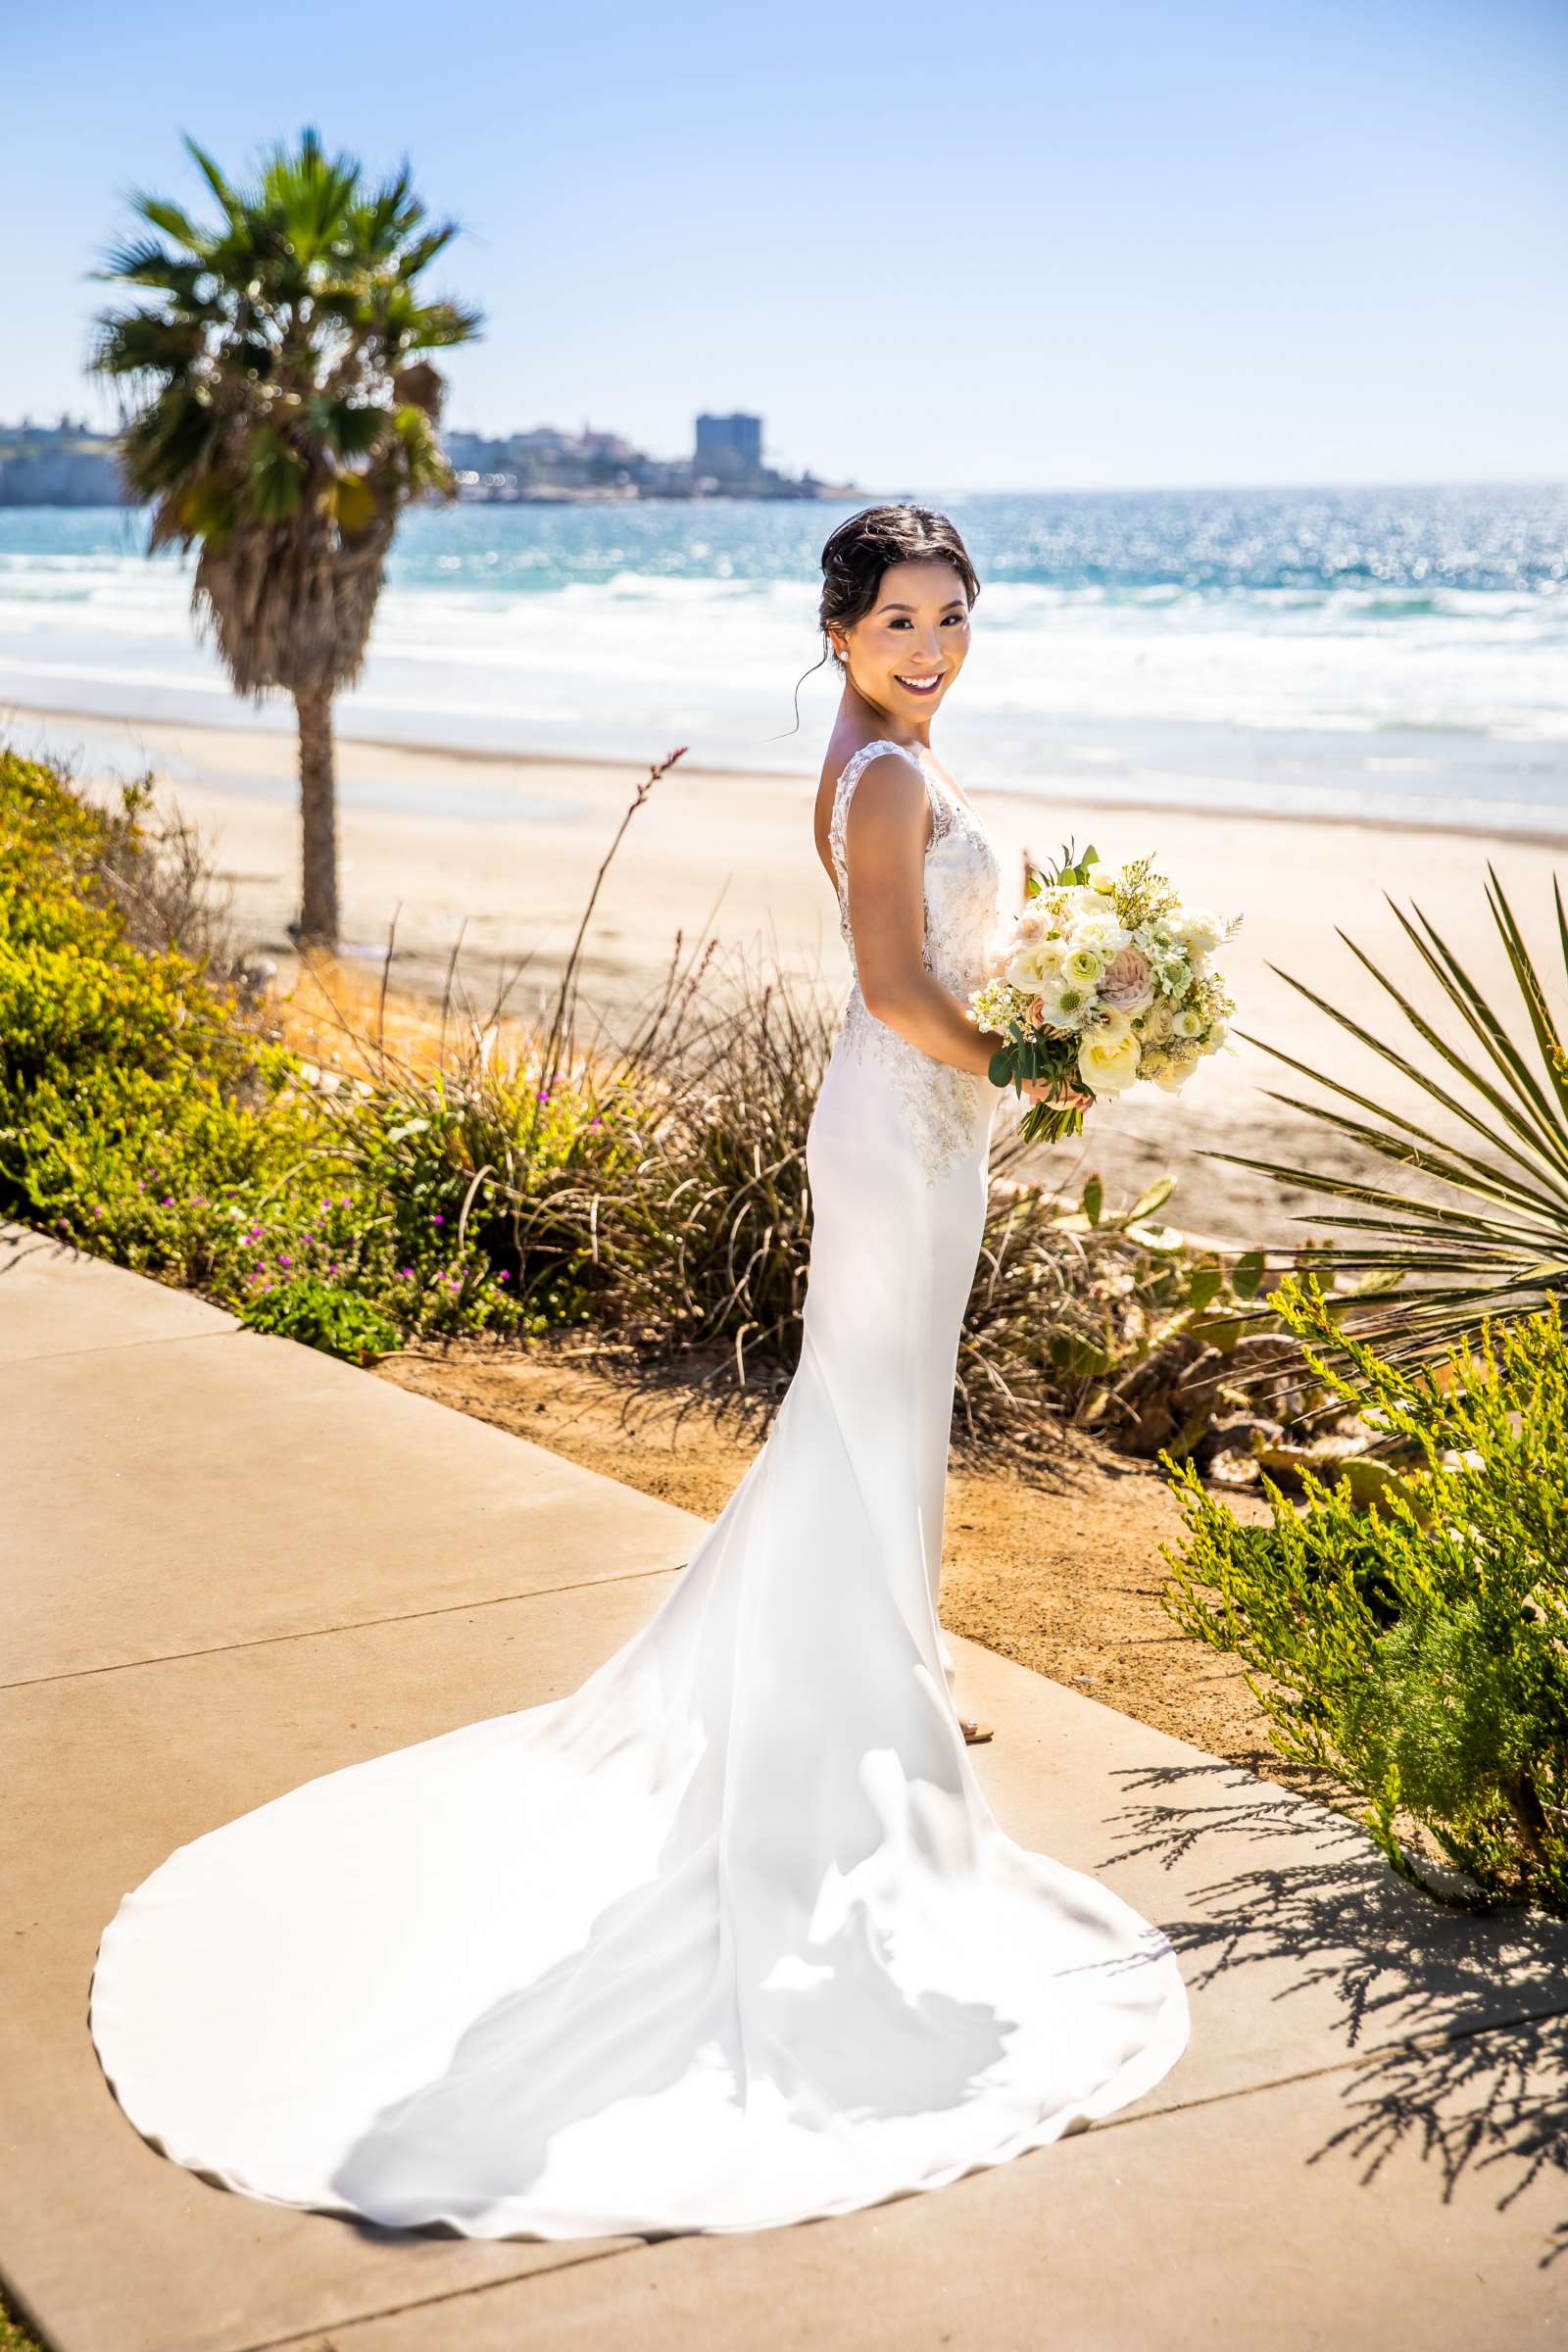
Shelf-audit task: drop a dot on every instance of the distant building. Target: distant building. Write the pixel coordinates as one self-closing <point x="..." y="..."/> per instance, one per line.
<point x="64" y="465"/>
<point x="729" y="449"/>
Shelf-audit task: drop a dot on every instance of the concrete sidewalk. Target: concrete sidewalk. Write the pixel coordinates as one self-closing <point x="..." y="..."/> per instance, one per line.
<point x="232" y="1563"/>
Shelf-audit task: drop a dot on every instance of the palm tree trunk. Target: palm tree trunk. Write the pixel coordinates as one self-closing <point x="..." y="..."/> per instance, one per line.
<point x="318" y="926"/>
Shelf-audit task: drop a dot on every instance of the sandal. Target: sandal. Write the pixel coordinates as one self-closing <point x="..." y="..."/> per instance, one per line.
<point x="975" y="1734"/>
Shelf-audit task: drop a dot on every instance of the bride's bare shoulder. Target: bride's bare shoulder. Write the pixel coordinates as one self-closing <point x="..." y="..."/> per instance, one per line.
<point x="889" y="799"/>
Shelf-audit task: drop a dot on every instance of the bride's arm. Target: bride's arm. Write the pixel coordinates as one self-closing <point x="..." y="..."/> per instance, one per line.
<point x="884" y="858"/>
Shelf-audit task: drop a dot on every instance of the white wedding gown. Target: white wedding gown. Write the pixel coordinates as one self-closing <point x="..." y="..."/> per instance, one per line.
<point x="730" y="1936"/>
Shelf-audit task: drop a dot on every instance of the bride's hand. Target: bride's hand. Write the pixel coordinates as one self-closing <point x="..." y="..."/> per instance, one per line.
<point x="1063" y="1094"/>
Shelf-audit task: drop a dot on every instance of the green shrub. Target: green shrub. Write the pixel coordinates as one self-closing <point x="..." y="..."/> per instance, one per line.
<point x="1419" y="1654"/>
<point x="322" y="1314"/>
<point x="654" y="1189"/>
<point x="147" y="1117"/>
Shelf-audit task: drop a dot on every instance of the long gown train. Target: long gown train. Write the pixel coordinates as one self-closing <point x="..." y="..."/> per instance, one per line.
<point x="729" y="1937"/>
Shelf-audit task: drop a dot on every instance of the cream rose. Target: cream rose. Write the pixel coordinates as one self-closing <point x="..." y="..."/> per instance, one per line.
<point x="1028" y="966"/>
<point x="1107" y="1065"/>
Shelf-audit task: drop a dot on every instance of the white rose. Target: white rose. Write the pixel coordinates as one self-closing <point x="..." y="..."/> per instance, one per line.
<point x="1158" y="1021"/>
<point x="1108" y="1064"/>
<point x="1106" y="879"/>
<point x="1175" y="1074"/>
<point x="1029" y="965"/>
<point x="1101" y="932"/>
<point x="1107" y="1020"/>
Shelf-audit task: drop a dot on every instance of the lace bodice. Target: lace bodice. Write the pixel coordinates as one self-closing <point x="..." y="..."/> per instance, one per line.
<point x="961" y="916"/>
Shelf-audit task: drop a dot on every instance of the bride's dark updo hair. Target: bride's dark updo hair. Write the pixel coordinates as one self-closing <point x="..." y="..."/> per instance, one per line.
<point x="860" y="551"/>
<point x="868" y="544"/>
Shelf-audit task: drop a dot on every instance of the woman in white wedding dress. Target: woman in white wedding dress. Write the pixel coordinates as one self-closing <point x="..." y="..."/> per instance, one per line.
<point x="730" y="1936"/>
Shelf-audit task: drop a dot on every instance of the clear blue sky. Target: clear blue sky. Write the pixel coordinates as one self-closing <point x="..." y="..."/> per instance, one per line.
<point x="982" y="245"/>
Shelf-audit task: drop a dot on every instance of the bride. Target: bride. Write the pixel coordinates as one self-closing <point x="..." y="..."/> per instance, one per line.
<point x="729" y="1937"/>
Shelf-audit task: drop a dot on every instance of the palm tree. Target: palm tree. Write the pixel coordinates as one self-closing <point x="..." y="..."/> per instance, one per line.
<point x="277" y="416"/>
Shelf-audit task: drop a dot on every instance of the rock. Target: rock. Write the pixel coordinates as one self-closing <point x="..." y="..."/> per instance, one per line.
<point x="1232" y="1469"/>
<point x="1238" y="1433"/>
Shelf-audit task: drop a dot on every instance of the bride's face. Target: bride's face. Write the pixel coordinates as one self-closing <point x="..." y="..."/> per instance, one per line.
<point x="905" y="653"/>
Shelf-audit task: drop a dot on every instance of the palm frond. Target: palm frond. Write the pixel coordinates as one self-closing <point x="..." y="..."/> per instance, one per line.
<point x="171" y="218"/>
<point x="225" y="195"/>
<point x="1494" y="1248"/>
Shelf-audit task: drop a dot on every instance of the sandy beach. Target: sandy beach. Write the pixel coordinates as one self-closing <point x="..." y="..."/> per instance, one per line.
<point x="510" y="854"/>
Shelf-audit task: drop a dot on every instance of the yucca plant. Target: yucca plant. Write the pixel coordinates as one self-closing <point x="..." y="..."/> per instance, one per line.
<point x="278" y="414"/>
<point x="1499" y="1252"/>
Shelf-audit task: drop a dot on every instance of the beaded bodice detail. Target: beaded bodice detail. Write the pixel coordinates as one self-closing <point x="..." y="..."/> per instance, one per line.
<point x="947" y="1106"/>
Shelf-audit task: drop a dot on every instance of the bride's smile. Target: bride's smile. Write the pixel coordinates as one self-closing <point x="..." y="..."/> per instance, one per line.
<point x="903" y="654"/>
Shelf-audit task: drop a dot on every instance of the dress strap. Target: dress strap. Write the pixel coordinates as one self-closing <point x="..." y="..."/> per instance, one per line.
<point x="858" y="762"/>
<point x="843" y="792"/>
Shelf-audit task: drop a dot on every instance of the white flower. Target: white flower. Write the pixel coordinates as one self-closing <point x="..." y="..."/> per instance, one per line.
<point x="1108" y="1022"/>
<point x="1176" y="1072"/>
<point x="1158" y="1021"/>
<point x="1106" y="1065"/>
<point x="1198" y="927"/>
<point x="1190" y="1022"/>
<point x="1101" y="932"/>
<point x="1106" y="879"/>
<point x="1032" y="964"/>
<point x="1083" y="966"/>
<point x="1066" y="1007"/>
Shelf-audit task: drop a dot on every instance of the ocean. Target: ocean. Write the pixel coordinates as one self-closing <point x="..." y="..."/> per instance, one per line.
<point x="1395" y="654"/>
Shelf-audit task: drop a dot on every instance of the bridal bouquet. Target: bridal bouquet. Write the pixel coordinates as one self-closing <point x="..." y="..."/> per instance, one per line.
<point x="1104" y="979"/>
